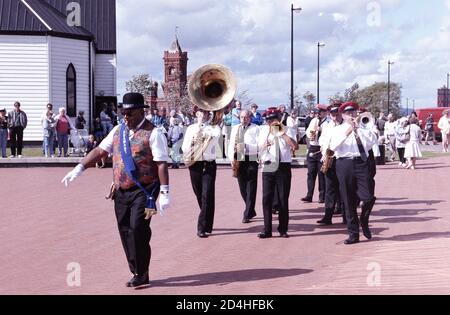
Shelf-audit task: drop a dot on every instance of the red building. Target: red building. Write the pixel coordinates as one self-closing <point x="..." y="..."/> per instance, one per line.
<point x="443" y="97"/>
<point x="175" y="77"/>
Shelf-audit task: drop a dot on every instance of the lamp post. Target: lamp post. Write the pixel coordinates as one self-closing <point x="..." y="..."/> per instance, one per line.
<point x="407" y="106"/>
<point x="319" y="44"/>
<point x="389" y="86"/>
<point x="292" y="53"/>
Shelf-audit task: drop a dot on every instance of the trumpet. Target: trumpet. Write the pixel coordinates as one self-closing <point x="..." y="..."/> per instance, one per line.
<point x="277" y="130"/>
<point x="365" y="121"/>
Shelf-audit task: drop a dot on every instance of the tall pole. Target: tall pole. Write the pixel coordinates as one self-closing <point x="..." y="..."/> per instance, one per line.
<point x="414" y="105"/>
<point x="407" y="106"/>
<point x="446" y="91"/>
<point x="389" y="86"/>
<point x="292" y="53"/>
<point x="318" y="71"/>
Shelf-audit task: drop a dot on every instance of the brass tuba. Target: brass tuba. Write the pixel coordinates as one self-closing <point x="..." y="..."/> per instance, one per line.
<point x="212" y="87"/>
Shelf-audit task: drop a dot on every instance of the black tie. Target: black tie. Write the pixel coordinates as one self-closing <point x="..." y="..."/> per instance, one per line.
<point x="362" y="152"/>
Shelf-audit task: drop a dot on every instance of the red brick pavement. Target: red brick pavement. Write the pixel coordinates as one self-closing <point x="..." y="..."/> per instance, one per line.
<point x="45" y="227"/>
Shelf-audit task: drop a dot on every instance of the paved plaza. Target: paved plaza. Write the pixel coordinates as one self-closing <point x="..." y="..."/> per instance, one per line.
<point x="45" y="227"/>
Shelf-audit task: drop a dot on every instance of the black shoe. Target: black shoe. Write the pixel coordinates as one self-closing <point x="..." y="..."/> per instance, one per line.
<point x="325" y="222"/>
<point x="284" y="235"/>
<point x="337" y="211"/>
<point x="251" y="216"/>
<point x="275" y="211"/>
<point x="306" y="199"/>
<point x="202" y="234"/>
<point x="128" y="284"/>
<point x="351" y="240"/>
<point x="264" y="235"/>
<point x="366" y="232"/>
<point x="245" y="221"/>
<point x="138" y="281"/>
<point x="321" y="201"/>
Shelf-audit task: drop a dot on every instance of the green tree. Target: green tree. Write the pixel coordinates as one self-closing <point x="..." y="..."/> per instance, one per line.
<point x="141" y="83"/>
<point x="374" y="98"/>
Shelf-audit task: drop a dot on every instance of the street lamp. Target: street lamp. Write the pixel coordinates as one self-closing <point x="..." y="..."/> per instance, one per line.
<point x="319" y="44"/>
<point x="407" y="106"/>
<point x="292" y="52"/>
<point x="389" y="85"/>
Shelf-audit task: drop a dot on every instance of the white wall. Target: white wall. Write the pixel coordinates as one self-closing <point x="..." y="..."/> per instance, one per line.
<point x="64" y="51"/>
<point x="105" y="74"/>
<point x="24" y="78"/>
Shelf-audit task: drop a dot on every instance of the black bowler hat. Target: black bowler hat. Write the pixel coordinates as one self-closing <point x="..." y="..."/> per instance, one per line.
<point x="133" y="101"/>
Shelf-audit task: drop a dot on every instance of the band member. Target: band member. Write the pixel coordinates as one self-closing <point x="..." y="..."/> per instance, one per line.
<point x="199" y="147"/>
<point x="243" y="150"/>
<point x="351" y="146"/>
<point x="314" y="155"/>
<point x="332" y="196"/>
<point x="140" y="174"/>
<point x="275" y="147"/>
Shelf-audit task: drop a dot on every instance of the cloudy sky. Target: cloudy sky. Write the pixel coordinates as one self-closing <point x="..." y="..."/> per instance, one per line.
<point x="252" y="37"/>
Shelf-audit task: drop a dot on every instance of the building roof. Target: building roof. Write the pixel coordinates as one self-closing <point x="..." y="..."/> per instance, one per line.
<point x="98" y="20"/>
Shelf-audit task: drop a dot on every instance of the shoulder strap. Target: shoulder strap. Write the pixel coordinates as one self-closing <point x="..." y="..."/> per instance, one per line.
<point x="130" y="166"/>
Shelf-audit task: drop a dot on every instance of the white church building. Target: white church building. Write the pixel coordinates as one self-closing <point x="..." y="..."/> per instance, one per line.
<point x="57" y="51"/>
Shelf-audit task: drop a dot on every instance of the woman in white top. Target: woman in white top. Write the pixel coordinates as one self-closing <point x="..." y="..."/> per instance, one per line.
<point x="444" y="125"/>
<point x="412" y="149"/>
<point x="401" y="134"/>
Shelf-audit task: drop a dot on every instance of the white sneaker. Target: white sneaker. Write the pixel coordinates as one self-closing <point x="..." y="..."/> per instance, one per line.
<point x="400" y="164"/>
<point x="19" y="156"/>
<point x="12" y="156"/>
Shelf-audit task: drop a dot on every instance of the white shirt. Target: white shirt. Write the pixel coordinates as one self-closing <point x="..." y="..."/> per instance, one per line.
<point x="389" y="128"/>
<point x="325" y="138"/>
<point x="269" y="154"/>
<point x="251" y="134"/>
<point x="292" y="123"/>
<point x="316" y="125"/>
<point x="346" y="146"/>
<point x="206" y="130"/>
<point x="157" y="140"/>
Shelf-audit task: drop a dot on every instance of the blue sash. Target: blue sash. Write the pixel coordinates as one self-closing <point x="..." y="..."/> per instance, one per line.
<point x="130" y="166"/>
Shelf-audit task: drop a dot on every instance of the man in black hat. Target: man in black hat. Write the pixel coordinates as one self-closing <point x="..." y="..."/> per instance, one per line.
<point x="140" y="145"/>
<point x="351" y="146"/>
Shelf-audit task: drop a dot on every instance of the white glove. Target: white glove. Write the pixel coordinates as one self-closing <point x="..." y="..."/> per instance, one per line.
<point x="164" y="200"/>
<point x="72" y="175"/>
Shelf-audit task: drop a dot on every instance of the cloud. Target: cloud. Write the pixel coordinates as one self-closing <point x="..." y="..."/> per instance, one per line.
<point x="253" y="38"/>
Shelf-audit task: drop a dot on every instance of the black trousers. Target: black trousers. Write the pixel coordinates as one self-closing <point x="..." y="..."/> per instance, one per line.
<point x="281" y="178"/>
<point x="16" y="140"/>
<point x="353" y="178"/>
<point x="248" y="184"/>
<point x="314" y="166"/>
<point x="401" y="155"/>
<point x="134" y="230"/>
<point x="203" y="180"/>
<point x="332" y="196"/>
<point x="372" y="164"/>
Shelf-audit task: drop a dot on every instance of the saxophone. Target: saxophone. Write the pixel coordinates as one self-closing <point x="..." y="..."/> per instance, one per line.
<point x="235" y="164"/>
<point x="327" y="161"/>
<point x="199" y="144"/>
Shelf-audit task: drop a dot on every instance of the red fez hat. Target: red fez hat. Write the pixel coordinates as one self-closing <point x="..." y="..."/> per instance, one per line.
<point x="348" y="106"/>
<point x="272" y="113"/>
<point x="322" y="107"/>
<point x="362" y="109"/>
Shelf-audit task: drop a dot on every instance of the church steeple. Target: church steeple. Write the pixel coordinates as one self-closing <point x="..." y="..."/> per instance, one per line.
<point x="175" y="69"/>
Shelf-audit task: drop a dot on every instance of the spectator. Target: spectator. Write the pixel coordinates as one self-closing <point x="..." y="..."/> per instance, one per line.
<point x="412" y="149"/>
<point x="63" y="127"/>
<point x="402" y="137"/>
<point x="49" y="134"/>
<point x="174" y="135"/>
<point x="429" y="129"/>
<point x="380" y="123"/>
<point x="49" y="107"/>
<point x="17" y="121"/>
<point x="98" y="130"/>
<point x="256" y="116"/>
<point x="91" y="144"/>
<point x="444" y="125"/>
<point x="311" y="116"/>
<point x="80" y="122"/>
<point x="284" y="114"/>
<point x="235" y="114"/>
<point x="3" y="131"/>
<point x="106" y="120"/>
<point x="390" y="134"/>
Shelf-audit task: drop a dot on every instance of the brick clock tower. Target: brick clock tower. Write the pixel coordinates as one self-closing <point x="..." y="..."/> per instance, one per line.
<point x="175" y="70"/>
